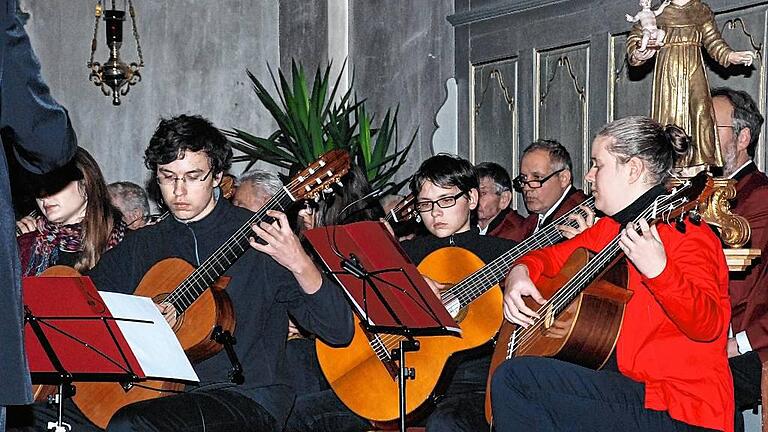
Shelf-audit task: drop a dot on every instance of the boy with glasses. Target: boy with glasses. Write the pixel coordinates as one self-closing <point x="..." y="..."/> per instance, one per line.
<point x="545" y="181"/>
<point x="446" y="190"/>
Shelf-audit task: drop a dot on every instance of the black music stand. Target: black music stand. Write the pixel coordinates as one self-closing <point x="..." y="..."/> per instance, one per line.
<point x="365" y="259"/>
<point x="73" y="337"/>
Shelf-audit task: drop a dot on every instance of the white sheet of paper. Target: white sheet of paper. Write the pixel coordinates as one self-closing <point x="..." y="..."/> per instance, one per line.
<point x="155" y="345"/>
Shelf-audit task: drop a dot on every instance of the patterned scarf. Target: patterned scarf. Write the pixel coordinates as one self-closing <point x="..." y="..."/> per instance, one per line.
<point x="51" y="238"/>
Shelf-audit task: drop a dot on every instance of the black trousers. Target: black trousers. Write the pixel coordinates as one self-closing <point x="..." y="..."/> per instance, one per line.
<point x="541" y="394"/>
<point x="220" y="409"/>
<point x="460" y="409"/>
<point x="747" y="371"/>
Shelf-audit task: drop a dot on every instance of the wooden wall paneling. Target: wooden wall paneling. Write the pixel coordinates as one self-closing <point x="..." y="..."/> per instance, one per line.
<point x="630" y="89"/>
<point x="562" y="105"/>
<point x="494" y="114"/>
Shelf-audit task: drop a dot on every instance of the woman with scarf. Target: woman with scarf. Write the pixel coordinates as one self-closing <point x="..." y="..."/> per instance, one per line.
<point x="669" y="370"/>
<point x="77" y="223"/>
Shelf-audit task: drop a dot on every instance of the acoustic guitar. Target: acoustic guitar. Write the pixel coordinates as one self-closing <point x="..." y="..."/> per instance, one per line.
<point x="199" y="296"/>
<point x="586" y="300"/>
<point x="363" y="374"/>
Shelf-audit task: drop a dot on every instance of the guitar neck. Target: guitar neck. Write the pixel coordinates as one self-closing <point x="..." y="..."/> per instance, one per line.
<point x="484" y="279"/>
<point x="222" y="259"/>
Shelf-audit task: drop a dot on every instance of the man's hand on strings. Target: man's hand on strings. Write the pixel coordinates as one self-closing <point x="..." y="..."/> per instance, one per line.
<point x="518" y="285"/>
<point x="25" y="225"/>
<point x="169" y="313"/>
<point x="582" y="223"/>
<point x="435" y="286"/>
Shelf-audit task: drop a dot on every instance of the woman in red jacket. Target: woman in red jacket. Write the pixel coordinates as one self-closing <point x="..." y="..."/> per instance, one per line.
<point x="670" y="369"/>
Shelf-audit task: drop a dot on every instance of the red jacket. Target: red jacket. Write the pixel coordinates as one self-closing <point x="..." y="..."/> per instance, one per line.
<point x="748" y="297"/>
<point x="674" y="334"/>
<point x="515" y="227"/>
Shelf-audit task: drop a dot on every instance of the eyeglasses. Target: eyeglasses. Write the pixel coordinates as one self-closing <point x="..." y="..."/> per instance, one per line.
<point x="519" y="182"/>
<point x="445" y="202"/>
<point x="188" y="179"/>
<point x="724" y="126"/>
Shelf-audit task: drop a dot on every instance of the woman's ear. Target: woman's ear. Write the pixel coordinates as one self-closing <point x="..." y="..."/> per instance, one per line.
<point x="636" y="167"/>
<point x="81" y="189"/>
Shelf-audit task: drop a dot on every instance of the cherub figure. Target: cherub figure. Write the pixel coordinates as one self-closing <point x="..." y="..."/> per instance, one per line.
<point x="647" y="19"/>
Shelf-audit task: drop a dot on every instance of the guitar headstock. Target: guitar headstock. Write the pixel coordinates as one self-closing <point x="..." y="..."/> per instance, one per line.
<point x="684" y="197"/>
<point x="319" y="175"/>
<point x="405" y="210"/>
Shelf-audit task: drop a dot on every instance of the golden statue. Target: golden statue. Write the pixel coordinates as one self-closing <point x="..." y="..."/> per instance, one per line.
<point x="680" y="86"/>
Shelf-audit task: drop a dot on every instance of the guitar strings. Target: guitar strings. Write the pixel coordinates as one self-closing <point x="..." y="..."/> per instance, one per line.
<point x="185" y="291"/>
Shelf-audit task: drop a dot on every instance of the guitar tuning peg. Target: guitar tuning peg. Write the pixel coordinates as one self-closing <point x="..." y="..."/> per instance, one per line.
<point x="680" y="224"/>
<point x="316" y="198"/>
<point x="338" y="182"/>
<point x="695" y="217"/>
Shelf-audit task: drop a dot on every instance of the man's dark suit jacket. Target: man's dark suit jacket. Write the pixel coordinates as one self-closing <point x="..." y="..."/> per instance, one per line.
<point x="517" y="228"/>
<point x="749" y="290"/>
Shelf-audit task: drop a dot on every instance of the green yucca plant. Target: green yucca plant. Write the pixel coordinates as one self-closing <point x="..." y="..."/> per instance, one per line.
<point x="309" y="123"/>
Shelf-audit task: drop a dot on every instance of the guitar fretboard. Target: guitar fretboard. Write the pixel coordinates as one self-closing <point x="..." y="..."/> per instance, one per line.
<point x="222" y="259"/>
<point x="478" y="283"/>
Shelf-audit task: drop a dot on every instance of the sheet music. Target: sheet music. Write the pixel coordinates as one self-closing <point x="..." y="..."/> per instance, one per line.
<point x="155" y="345"/>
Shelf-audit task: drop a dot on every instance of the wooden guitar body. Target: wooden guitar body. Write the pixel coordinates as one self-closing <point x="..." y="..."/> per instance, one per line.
<point x="100" y="401"/>
<point x="365" y="379"/>
<point x="584" y="333"/>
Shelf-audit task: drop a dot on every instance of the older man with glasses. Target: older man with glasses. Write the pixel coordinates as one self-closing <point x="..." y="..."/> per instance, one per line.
<point x="739" y="122"/>
<point x="495" y="194"/>
<point x="545" y="181"/>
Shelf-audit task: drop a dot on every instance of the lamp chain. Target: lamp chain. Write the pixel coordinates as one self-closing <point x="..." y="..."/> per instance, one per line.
<point x="97" y="14"/>
<point x="135" y="32"/>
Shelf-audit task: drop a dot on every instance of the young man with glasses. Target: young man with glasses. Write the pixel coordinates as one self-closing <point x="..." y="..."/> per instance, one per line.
<point x="545" y="181"/>
<point x="739" y="122"/>
<point x="188" y="157"/>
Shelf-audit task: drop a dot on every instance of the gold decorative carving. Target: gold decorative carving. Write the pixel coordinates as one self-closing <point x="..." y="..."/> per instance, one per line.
<point x="734" y="229"/>
<point x="564" y="61"/>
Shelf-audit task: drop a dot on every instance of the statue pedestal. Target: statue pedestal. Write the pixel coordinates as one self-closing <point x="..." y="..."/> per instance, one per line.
<point x="739" y="260"/>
